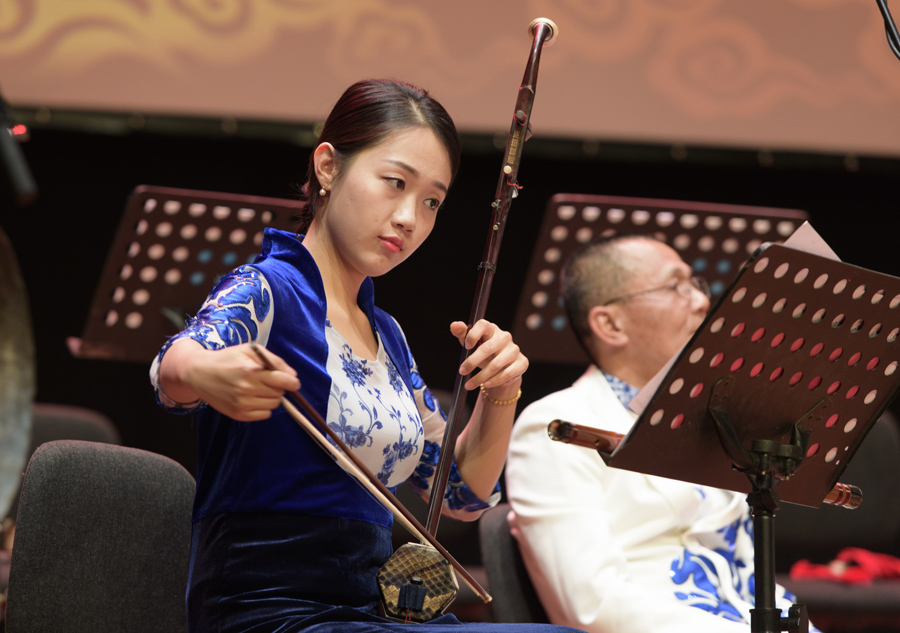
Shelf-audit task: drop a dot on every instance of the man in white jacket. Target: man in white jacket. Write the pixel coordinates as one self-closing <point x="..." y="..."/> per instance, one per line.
<point x="614" y="551"/>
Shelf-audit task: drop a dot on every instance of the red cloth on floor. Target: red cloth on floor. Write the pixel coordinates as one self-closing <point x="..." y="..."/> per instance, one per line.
<point x="853" y="565"/>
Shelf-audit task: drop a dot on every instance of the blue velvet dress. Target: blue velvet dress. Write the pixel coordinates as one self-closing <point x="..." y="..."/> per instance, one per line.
<point x="283" y="539"/>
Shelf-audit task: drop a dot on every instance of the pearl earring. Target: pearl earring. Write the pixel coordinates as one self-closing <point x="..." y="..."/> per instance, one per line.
<point x="323" y="192"/>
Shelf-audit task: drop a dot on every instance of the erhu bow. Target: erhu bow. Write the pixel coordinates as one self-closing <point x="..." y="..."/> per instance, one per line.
<point x="434" y="572"/>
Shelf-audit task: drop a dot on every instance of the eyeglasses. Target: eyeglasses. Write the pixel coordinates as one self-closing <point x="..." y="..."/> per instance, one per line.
<point x="683" y="287"/>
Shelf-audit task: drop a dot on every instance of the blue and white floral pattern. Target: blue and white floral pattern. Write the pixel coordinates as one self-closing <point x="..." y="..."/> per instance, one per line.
<point x="238" y="310"/>
<point x="372" y="411"/>
<point x="699" y="575"/>
<point x="701" y="581"/>
<point x="393" y="431"/>
<point x="458" y="495"/>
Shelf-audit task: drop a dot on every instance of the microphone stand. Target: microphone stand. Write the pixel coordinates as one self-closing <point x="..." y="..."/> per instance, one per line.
<point x="24" y="189"/>
<point x="893" y="37"/>
<point x="17" y="362"/>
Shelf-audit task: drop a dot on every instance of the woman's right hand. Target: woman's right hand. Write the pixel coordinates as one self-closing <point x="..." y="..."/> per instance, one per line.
<point x="232" y="380"/>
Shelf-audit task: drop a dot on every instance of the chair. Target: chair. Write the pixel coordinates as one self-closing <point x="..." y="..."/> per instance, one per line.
<point x="102" y="543"/>
<point x="52" y="422"/>
<point x="66" y="422"/>
<point x="69" y="422"/>
<point x="819" y="534"/>
<point x="515" y="599"/>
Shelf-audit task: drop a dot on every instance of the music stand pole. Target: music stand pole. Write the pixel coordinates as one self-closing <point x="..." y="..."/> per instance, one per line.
<point x="766" y="617"/>
<point x="765" y="464"/>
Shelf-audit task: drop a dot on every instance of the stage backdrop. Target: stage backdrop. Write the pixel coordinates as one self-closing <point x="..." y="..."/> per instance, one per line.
<point x="805" y="75"/>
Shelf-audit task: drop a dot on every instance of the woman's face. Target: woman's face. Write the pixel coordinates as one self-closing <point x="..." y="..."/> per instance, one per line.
<point x="385" y="201"/>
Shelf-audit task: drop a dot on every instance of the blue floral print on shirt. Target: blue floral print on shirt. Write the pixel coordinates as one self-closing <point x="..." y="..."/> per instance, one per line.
<point x="698" y="570"/>
<point x="360" y="409"/>
<point x="238" y="309"/>
<point x="458" y="495"/>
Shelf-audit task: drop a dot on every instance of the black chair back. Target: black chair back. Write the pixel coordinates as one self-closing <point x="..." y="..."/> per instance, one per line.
<point x="514" y="597"/>
<point x="66" y="422"/>
<point x="102" y="541"/>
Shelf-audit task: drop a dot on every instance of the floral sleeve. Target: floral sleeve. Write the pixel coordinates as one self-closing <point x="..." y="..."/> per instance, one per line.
<point x="458" y="498"/>
<point x="237" y="310"/>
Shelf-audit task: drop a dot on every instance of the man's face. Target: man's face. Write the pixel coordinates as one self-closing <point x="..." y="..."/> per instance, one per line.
<point x="660" y="322"/>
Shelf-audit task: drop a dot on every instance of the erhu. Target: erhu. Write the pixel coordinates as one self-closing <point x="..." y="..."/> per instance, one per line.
<point x="418" y="583"/>
<point x="544" y="32"/>
<point x="399" y="573"/>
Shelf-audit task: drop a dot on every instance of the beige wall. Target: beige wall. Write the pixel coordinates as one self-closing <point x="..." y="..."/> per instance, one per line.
<point x="779" y="74"/>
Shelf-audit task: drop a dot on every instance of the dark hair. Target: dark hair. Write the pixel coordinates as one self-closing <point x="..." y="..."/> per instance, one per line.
<point x="367" y="113"/>
<point x="593" y="275"/>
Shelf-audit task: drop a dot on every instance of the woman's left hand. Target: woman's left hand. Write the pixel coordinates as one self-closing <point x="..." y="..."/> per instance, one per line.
<point x="496" y="354"/>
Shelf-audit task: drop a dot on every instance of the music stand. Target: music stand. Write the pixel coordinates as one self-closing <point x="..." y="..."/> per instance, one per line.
<point x="170" y="248"/>
<point x="784" y="378"/>
<point x="715" y="239"/>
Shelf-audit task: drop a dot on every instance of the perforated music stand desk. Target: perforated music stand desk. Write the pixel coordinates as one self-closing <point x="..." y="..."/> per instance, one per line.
<point x="715" y="239"/>
<point x="803" y="339"/>
<point x="170" y="248"/>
